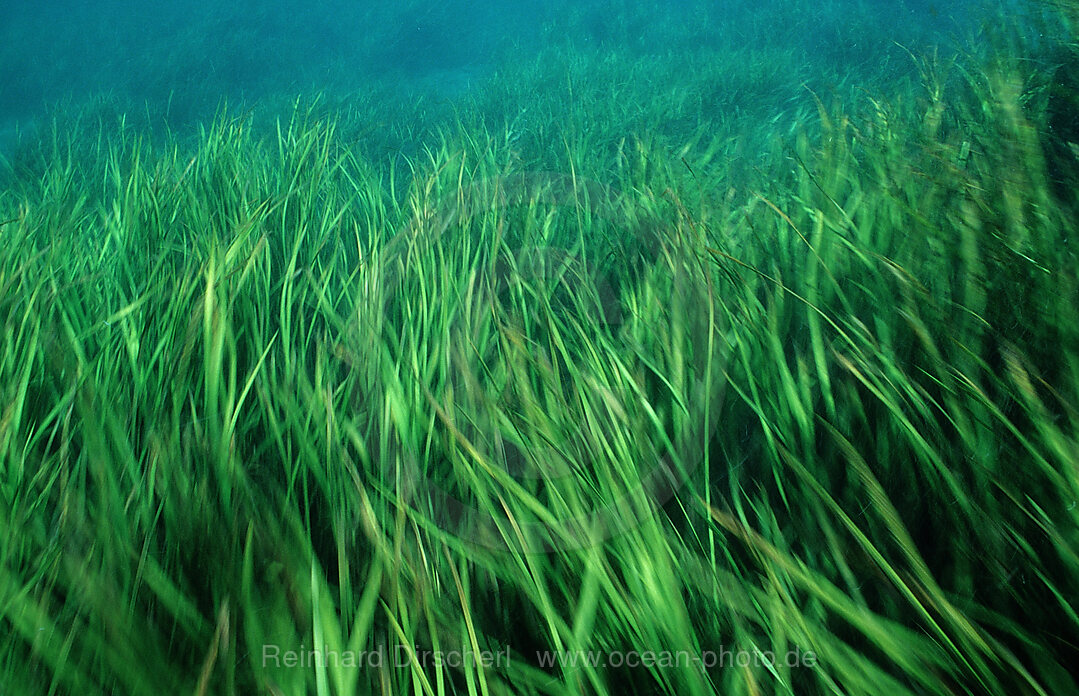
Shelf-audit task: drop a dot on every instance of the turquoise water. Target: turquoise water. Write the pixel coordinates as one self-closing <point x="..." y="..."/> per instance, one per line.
<point x="175" y="63"/>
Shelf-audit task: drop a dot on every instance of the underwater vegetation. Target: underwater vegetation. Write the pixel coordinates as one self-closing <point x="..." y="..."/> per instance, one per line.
<point x="574" y="386"/>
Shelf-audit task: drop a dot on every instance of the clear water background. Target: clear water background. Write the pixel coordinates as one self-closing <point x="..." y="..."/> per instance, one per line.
<point x="174" y="64"/>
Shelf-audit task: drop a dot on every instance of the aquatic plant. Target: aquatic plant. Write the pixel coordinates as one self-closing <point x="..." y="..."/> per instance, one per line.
<point x="281" y="416"/>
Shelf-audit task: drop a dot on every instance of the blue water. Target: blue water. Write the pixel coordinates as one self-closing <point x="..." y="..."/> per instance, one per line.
<point x="176" y="63"/>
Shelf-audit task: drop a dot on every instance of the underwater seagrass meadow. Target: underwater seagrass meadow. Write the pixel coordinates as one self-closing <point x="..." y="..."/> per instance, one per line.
<point x="615" y="348"/>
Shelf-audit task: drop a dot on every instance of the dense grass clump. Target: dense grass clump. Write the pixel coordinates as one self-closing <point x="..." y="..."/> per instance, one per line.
<point x="644" y="405"/>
